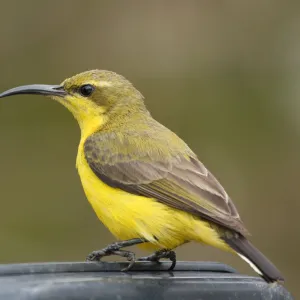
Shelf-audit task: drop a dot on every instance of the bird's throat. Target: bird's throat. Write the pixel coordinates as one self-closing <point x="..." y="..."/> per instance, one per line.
<point x="89" y="116"/>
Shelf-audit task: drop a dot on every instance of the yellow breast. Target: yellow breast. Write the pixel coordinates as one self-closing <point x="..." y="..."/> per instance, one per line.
<point x="127" y="216"/>
<point x="130" y="216"/>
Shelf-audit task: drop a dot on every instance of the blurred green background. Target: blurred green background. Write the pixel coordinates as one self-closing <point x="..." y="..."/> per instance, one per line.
<point x="224" y="75"/>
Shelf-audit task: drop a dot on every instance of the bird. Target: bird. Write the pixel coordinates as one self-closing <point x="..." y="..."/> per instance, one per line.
<point x="143" y="181"/>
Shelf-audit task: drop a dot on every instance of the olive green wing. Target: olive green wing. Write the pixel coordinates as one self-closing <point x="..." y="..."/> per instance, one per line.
<point x="144" y="166"/>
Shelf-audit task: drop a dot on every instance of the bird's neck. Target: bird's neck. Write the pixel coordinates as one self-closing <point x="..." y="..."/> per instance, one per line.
<point x="123" y="115"/>
<point x="114" y="119"/>
<point x="91" y="125"/>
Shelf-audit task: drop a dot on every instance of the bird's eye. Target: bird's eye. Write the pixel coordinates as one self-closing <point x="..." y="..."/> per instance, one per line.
<point x="86" y="90"/>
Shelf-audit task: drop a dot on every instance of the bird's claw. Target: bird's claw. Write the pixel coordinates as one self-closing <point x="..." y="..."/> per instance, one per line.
<point x="98" y="255"/>
<point x="115" y="249"/>
<point x="109" y="250"/>
<point x="164" y="253"/>
<point x="131" y="259"/>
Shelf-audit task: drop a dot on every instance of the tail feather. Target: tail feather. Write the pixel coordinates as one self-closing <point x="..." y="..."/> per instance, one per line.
<point x="262" y="265"/>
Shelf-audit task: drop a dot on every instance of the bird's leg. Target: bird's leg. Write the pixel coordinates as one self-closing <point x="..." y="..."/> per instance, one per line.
<point x="163" y="253"/>
<point x="115" y="249"/>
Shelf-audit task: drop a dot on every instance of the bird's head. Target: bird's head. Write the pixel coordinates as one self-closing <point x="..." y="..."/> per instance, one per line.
<point x="93" y="95"/>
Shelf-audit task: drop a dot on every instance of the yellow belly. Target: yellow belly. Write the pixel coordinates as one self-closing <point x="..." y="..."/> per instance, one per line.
<point x="130" y="216"/>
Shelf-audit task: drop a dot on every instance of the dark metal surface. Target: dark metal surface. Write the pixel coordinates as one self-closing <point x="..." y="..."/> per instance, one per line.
<point x="104" y="281"/>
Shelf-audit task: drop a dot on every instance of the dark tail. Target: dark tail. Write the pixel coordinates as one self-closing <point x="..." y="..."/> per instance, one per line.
<point x="254" y="258"/>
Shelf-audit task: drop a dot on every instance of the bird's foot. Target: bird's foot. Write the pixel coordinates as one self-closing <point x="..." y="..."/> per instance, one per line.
<point x="115" y="249"/>
<point x="163" y="253"/>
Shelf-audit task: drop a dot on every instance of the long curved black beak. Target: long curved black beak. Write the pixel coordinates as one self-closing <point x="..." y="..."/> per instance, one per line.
<point x="36" y="89"/>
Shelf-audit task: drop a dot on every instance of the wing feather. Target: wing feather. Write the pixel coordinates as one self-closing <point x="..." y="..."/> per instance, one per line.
<point x="176" y="179"/>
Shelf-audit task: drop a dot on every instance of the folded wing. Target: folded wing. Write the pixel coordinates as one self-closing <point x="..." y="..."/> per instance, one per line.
<point x="178" y="179"/>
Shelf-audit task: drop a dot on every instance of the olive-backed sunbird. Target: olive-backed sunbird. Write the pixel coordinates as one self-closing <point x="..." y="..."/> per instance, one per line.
<point x="144" y="183"/>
